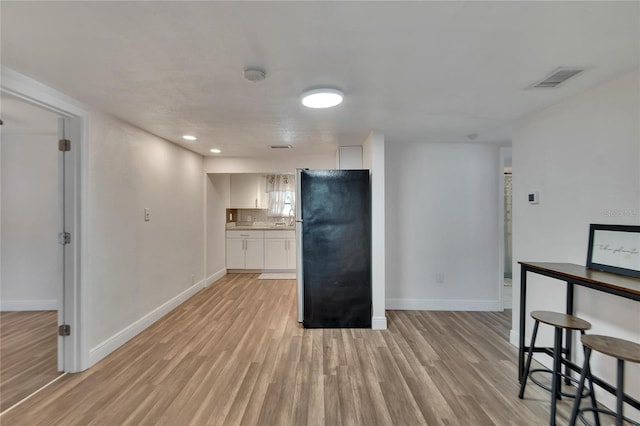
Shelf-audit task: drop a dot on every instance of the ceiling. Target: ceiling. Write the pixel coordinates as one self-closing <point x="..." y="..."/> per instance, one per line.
<point x="415" y="71"/>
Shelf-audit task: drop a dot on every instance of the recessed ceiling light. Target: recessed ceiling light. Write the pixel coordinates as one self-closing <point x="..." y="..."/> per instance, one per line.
<point x="322" y="98"/>
<point x="215" y="150"/>
<point x="189" y="137"/>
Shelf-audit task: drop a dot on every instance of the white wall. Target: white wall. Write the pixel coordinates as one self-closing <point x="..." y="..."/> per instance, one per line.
<point x="442" y="218"/>
<point x="583" y="155"/>
<point x="137" y="268"/>
<point x="218" y="198"/>
<point x="31" y="267"/>
<point x="288" y="162"/>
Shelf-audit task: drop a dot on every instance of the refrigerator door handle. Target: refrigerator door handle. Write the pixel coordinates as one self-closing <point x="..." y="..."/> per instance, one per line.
<point x="298" y="247"/>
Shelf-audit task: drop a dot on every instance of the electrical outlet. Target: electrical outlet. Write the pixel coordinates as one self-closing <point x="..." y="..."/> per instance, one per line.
<point x="147" y="214"/>
<point x="440" y="278"/>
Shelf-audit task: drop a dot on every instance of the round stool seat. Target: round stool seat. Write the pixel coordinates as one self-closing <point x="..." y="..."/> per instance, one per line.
<point x="560" y="322"/>
<point x="565" y="321"/>
<point x="612" y="346"/>
<point x="622" y="350"/>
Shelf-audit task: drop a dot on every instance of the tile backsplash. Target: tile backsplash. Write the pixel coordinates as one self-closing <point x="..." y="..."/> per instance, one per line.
<point x="250" y="216"/>
<point x="258" y="217"/>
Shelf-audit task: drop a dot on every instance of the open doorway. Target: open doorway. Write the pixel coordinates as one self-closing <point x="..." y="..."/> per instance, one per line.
<point x="508" y="273"/>
<point x="506" y="215"/>
<point x="31" y="285"/>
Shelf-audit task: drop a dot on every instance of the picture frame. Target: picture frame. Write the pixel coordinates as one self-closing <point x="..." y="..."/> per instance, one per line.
<point x="615" y="249"/>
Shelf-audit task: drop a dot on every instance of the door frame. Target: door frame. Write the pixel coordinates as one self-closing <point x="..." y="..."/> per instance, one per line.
<point x="505" y="156"/>
<point x="75" y="118"/>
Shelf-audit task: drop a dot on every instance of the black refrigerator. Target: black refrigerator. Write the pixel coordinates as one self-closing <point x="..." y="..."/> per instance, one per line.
<point x="334" y="248"/>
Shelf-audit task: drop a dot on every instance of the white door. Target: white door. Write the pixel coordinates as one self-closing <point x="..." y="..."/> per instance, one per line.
<point x="33" y="261"/>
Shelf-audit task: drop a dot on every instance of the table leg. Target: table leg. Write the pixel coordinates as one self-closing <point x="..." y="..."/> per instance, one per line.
<point x="523" y="304"/>
<point x="569" y="333"/>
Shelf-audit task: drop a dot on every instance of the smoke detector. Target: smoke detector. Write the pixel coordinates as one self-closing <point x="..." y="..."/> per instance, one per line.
<point x="556" y="78"/>
<point x="254" y="75"/>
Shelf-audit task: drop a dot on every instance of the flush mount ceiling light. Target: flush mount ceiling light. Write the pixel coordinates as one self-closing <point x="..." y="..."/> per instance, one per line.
<point x="215" y="150"/>
<point x="322" y="98"/>
<point x="189" y="137"/>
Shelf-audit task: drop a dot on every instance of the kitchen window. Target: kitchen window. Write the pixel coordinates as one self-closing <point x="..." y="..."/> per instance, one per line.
<point x="282" y="196"/>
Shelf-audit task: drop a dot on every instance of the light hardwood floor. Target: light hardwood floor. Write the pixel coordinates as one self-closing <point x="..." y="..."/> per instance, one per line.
<point x="234" y="354"/>
<point x="28" y="353"/>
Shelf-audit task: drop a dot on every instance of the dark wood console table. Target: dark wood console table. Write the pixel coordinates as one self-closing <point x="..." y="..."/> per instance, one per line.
<point x="573" y="275"/>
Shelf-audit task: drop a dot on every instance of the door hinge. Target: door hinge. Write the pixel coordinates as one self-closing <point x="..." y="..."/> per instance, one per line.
<point x="64" y="238"/>
<point x="64" y="330"/>
<point x="64" y="145"/>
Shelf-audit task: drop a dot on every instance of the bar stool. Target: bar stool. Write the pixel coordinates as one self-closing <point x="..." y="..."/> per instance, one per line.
<point x="559" y="322"/>
<point x="622" y="350"/>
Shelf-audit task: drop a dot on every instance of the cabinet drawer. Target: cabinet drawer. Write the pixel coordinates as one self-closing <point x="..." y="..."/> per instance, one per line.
<point x="245" y="234"/>
<point x="280" y="234"/>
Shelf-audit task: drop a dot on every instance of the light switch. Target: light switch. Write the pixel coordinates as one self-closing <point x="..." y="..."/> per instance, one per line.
<point x="147" y="215"/>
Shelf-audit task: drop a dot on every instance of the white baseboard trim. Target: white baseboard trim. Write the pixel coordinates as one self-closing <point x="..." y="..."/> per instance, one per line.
<point x="379" y="323"/>
<point x="28" y="305"/>
<point x="216" y="276"/>
<point x="442" y="305"/>
<point x="123" y="336"/>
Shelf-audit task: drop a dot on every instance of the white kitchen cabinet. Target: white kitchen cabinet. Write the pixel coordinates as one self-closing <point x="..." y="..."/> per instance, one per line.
<point x="279" y="250"/>
<point x="235" y="254"/>
<point x="245" y="250"/>
<point x="248" y="191"/>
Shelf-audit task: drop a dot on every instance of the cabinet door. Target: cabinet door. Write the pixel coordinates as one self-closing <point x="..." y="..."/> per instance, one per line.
<point x="235" y="253"/>
<point x="291" y="254"/>
<point x="254" y="254"/>
<point x="275" y="253"/>
<point x="244" y="191"/>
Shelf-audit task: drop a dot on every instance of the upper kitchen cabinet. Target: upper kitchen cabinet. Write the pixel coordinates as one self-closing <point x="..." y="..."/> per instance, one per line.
<point x="248" y="191"/>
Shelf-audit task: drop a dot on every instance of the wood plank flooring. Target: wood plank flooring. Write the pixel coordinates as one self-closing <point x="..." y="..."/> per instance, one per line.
<point x="28" y="353"/>
<point x="235" y="355"/>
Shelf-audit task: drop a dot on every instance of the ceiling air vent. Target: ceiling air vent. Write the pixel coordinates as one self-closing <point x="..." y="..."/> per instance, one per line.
<point x="556" y="78"/>
<point x="281" y="147"/>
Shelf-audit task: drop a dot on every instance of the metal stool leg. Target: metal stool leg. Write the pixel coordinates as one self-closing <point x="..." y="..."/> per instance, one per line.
<point x="592" y="394"/>
<point x="525" y="375"/>
<point x="556" y="379"/>
<point x="585" y="372"/>
<point x="620" y="393"/>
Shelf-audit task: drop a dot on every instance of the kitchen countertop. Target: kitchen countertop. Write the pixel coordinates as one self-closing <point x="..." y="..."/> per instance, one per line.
<point x="260" y="228"/>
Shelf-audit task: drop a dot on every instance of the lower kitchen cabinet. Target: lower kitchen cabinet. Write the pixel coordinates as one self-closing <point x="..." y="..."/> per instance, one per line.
<point x="245" y="249"/>
<point x="279" y="250"/>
